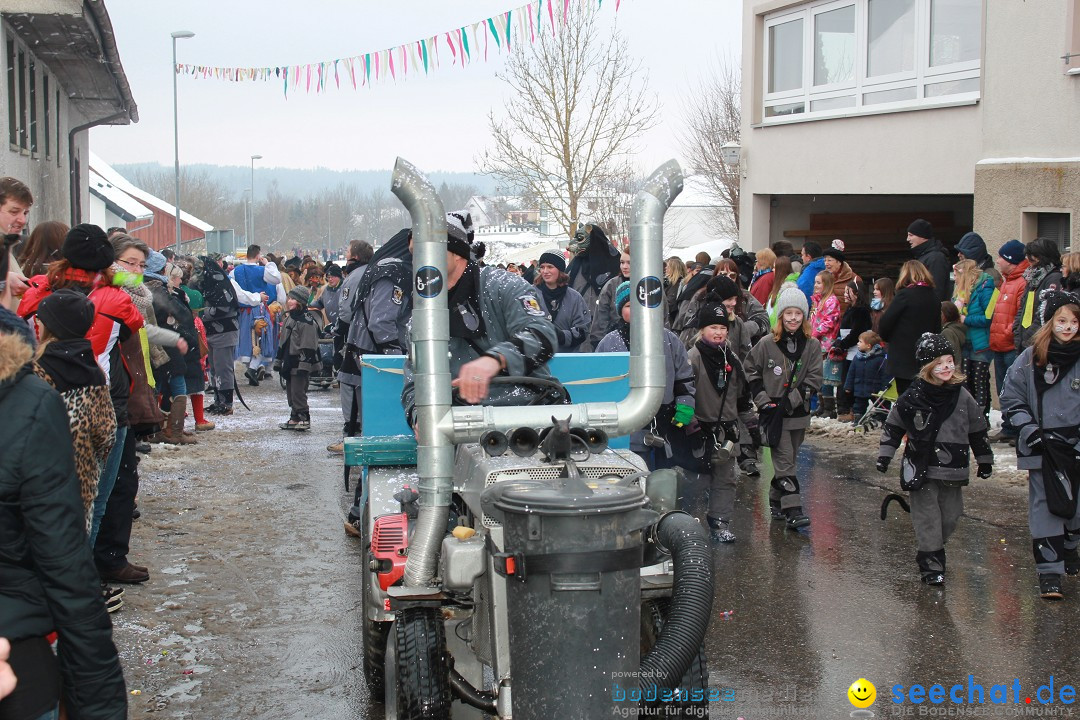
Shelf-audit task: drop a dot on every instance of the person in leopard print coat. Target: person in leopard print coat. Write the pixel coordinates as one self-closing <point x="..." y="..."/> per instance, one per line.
<point x="65" y="360"/>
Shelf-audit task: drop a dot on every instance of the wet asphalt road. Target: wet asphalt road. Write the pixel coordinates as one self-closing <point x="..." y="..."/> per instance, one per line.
<point x="253" y="606"/>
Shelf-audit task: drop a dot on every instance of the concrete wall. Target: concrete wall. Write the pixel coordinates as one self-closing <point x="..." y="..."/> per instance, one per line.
<point x="1031" y="107"/>
<point x="1004" y="192"/>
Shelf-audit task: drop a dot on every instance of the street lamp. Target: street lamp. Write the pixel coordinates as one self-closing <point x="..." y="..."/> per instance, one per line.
<point x="177" y="35"/>
<point x="251" y="232"/>
<point x="329" y="207"/>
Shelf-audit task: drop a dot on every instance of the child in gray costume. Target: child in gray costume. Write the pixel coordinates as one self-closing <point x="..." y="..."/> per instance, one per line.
<point x="943" y="425"/>
<point x="298" y="356"/>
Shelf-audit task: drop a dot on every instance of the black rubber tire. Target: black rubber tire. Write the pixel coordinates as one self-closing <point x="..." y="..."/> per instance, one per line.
<point x="653" y="613"/>
<point x="375" y="632"/>
<point x="423" y="666"/>
<point x="281" y="380"/>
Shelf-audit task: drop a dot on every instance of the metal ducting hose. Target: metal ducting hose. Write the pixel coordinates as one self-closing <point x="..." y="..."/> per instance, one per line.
<point x="691" y="602"/>
<point x="431" y="337"/>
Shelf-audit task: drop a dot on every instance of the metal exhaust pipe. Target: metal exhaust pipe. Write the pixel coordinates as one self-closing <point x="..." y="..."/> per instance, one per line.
<point x="431" y="337"/>
<point x="647" y="373"/>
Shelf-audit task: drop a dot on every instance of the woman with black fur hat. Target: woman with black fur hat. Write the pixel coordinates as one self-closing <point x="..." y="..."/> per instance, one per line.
<point x="943" y="425"/>
<point x="1041" y="399"/>
<point x="720" y="383"/>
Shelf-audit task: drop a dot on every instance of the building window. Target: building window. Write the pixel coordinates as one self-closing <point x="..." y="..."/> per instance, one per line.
<point x="12" y="90"/>
<point x="22" y="99"/>
<point x="32" y="105"/>
<point x="1054" y="226"/>
<point x="836" y="57"/>
<point x="46" y="115"/>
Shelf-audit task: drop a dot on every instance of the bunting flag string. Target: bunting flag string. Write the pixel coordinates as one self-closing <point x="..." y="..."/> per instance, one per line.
<point x="424" y="52"/>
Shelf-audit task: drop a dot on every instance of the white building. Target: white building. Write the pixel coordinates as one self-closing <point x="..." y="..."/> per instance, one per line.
<point x="62" y="76"/>
<point x="862" y="115"/>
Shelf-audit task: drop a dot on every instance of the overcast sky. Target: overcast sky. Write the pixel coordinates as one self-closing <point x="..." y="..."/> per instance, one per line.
<point x="439" y="122"/>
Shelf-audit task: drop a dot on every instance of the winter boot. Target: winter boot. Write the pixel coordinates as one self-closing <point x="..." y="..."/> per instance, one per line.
<point x="931" y="566"/>
<point x="201" y="423"/>
<point x="174" y="424"/>
<point x="293" y="423"/>
<point x="305" y="421"/>
<point x="252" y="376"/>
<point x="1050" y="587"/>
<point x="828" y="407"/>
<point x="226" y="403"/>
<point x="721" y="532"/>
<point x="774" y="510"/>
<point x="338" y="448"/>
<point x="795" y="518"/>
<point x="1072" y="561"/>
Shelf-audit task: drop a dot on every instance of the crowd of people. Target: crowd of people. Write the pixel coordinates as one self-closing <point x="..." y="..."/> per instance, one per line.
<point x="108" y="346"/>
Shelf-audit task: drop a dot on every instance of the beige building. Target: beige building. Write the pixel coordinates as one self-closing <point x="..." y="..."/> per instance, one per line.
<point x="62" y="76"/>
<point x="861" y="115"/>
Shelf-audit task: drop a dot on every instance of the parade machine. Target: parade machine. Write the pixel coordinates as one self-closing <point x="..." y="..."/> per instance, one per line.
<point x="522" y="562"/>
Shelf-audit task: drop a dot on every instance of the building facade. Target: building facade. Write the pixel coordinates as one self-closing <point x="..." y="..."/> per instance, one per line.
<point x="861" y="115"/>
<point x="62" y="76"/>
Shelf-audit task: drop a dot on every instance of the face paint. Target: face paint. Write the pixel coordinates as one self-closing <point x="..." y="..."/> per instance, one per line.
<point x="1065" y="327"/>
<point x="792" y="319"/>
<point x="944" y="368"/>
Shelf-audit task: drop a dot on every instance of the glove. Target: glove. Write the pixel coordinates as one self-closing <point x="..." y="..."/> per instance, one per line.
<point x="883" y="464"/>
<point x="985" y="470"/>
<point x="1034" y="442"/>
<point x="683" y="415"/>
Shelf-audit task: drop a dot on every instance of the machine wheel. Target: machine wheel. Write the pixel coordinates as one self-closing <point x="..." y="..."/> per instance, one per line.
<point x="375" y="633"/>
<point x="417" y="685"/>
<point x="281" y="380"/>
<point x="653" y="614"/>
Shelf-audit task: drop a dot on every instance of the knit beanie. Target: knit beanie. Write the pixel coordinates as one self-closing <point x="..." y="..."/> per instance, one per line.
<point x="87" y="247"/>
<point x="931" y="346"/>
<point x="67" y="314"/>
<point x="155" y="263"/>
<point x="1050" y="301"/>
<point x="921" y="228"/>
<point x="459" y="233"/>
<point x="301" y="295"/>
<point x="555" y="259"/>
<point x="712" y="314"/>
<point x="622" y="296"/>
<point x="792" y="297"/>
<point x="334" y="270"/>
<point x="1012" y="252"/>
<point x="722" y="287"/>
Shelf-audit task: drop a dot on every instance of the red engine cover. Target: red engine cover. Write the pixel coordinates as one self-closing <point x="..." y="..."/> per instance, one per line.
<point x="389" y="544"/>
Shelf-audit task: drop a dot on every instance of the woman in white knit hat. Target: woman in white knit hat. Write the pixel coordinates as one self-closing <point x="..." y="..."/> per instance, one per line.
<point x="783" y="370"/>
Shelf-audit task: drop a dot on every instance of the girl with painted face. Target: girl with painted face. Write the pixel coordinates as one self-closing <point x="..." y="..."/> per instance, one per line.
<point x="783" y="370"/>
<point x="1041" y="398"/>
<point x="943" y="425"/>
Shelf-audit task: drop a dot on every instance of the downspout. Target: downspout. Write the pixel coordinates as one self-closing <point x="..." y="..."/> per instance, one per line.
<point x="74" y="175"/>
<point x="647" y="371"/>
<point x="431" y="366"/>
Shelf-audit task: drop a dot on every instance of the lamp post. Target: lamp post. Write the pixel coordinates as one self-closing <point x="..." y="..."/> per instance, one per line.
<point x="329" y="207"/>
<point x="251" y="231"/>
<point x="177" y="35"/>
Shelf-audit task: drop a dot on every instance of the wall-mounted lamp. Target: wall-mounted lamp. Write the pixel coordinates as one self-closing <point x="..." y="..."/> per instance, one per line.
<point x="731" y="154"/>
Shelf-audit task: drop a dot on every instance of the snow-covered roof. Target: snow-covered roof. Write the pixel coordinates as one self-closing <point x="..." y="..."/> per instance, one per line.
<point x="117" y="201"/>
<point x="105" y="171"/>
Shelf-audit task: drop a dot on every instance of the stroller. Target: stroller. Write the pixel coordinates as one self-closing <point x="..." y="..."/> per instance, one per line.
<point x="326" y="376"/>
<point x="878" y="410"/>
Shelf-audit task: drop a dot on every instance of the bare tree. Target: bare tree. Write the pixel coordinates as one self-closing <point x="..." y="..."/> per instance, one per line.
<point x="577" y="104"/>
<point x="714" y="117"/>
<point x="202" y="196"/>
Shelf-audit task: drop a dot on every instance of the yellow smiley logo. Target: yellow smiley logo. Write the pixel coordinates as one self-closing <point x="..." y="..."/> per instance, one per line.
<point x="862" y="693"/>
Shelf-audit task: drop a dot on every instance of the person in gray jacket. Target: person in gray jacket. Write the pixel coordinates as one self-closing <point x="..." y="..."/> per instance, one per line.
<point x="497" y="328"/>
<point x="783" y="370"/>
<point x="360" y="253"/>
<point x="664" y="444"/>
<point x="720" y="382"/>
<point x="563" y="304"/>
<point x="943" y="425"/>
<point x="1041" y="399"/>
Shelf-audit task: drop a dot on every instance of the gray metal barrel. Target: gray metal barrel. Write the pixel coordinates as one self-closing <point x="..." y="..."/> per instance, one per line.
<point x="572" y="558"/>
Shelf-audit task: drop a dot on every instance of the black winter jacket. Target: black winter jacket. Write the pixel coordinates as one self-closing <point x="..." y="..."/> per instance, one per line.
<point x="47" y="576"/>
<point x="915" y="310"/>
<point x="932" y="254"/>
